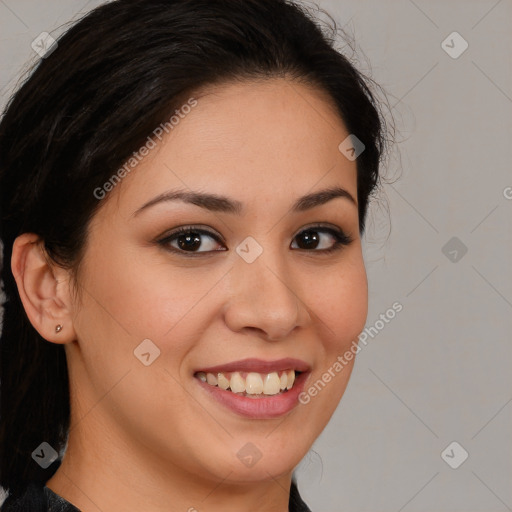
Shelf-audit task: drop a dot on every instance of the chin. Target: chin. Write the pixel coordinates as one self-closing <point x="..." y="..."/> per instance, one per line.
<point x="265" y="457"/>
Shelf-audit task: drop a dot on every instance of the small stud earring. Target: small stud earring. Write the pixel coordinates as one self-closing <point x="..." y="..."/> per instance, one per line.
<point x="58" y="328"/>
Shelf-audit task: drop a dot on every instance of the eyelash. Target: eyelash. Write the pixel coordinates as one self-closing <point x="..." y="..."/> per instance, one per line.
<point x="340" y="237"/>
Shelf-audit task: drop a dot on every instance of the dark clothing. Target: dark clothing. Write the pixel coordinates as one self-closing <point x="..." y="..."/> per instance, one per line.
<point x="43" y="499"/>
<point x="296" y="504"/>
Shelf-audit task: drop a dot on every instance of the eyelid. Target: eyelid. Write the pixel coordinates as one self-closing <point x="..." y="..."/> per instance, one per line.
<point x="327" y="227"/>
<point x="192" y="227"/>
<point x="320" y="225"/>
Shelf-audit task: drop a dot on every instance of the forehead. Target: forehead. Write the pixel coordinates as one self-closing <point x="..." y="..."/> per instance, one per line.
<point x="264" y="139"/>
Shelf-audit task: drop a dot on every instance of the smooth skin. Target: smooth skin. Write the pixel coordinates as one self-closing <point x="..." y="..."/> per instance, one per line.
<point x="149" y="437"/>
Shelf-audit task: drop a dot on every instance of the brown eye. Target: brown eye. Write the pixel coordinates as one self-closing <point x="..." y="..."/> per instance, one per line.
<point x="189" y="240"/>
<point x="312" y="238"/>
<point x="193" y="241"/>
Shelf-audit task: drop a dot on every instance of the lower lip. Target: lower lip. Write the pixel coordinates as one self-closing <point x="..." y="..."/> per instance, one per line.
<point x="272" y="406"/>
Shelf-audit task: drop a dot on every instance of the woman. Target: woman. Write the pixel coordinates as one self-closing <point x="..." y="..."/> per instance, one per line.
<point x="184" y="187"/>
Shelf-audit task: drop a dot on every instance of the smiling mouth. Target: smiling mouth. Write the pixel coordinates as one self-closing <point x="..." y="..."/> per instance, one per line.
<point x="251" y="384"/>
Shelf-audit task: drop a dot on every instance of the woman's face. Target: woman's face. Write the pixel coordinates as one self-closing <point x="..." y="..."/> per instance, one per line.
<point x="250" y="292"/>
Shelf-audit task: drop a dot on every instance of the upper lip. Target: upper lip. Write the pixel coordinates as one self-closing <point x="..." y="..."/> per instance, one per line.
<point x="259" y="366"/>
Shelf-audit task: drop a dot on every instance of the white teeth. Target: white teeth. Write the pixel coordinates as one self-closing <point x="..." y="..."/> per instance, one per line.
<point x="253" y="384"/>
<point x="272" y="384"/>
<point x="291" y="379"/>
<point x="211" y="379"/>
<point x="237" y="383"/>
<point x="222" y="382"/>
<point x="283" y="381"/>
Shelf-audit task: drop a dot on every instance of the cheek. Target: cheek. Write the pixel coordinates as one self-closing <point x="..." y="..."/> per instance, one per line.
<point x="342" y="308"/>
<point x="354" y="310"/>
<point x="146" y="299"/>
<point x="342" y="305"/>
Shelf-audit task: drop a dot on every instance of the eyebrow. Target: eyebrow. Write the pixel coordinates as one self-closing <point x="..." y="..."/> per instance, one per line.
<point x="223" y="204"/>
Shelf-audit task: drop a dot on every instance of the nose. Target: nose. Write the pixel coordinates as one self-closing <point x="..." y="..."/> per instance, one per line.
<point x="265" y="297"/>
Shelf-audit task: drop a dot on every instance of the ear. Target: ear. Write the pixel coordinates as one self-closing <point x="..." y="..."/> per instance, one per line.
<point x="43" y="288"/>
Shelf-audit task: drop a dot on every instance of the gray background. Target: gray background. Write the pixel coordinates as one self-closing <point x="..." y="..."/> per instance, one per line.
<point x="440" y="370"/>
